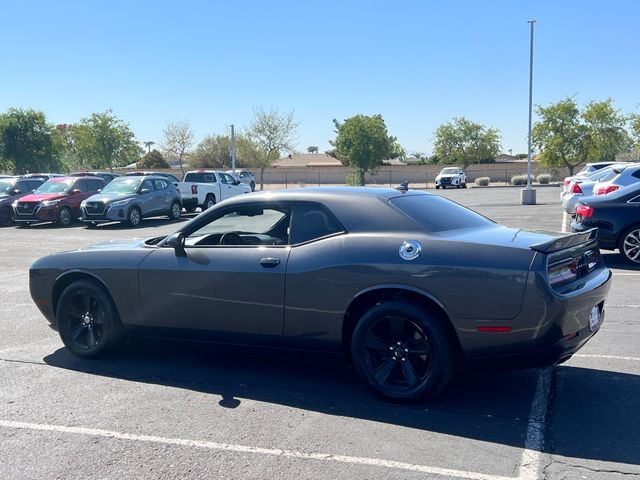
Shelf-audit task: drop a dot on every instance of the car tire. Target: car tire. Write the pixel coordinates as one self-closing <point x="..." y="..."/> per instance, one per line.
<point x="209" y="201"/>
<point x="176" y="211"/>
<point x="134" y="217"/>
<point x="253" y="186"/>
<point x="87" y="320"/>
<point x="464" y="185"/>
<point x="437" y="187"/>
<point x="190" y="209"/>
<point x="64" y="217"/>
<point x="91" y="224"/>
<point x="629" y="245"/>
<point x="403" y="352"/>
<point x="6" y="216"/>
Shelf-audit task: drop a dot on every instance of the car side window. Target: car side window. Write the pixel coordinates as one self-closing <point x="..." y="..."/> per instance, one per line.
<point x="160" y="184"/>
<point x="80" y="185"/>
<point x="310" y="222"/>
<point x="226" y="178"/>
<point x="94" y="185"/>
<point x="244" y="226"/>
<point x="147" y="185"/>
<point x="636" y="174"/>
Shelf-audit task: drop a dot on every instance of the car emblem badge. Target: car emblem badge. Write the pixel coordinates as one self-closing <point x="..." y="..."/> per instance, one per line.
<point x="410" y="249"/>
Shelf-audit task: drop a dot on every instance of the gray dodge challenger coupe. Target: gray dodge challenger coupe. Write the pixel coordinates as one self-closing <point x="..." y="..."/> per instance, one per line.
<point x="409" y="284"/>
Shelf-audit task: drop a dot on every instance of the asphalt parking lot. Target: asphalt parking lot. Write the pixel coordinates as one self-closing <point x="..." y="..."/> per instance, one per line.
<point x="175" y="410"/>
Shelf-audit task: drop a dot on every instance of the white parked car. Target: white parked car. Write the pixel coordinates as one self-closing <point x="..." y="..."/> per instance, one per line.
<point x="451" y="177"/>
<point x="245" y="176"/>
<point x="204" y="188"/>
<point x="588" y="169"/>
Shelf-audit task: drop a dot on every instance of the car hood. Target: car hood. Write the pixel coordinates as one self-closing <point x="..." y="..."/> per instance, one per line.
<point x="448" y="175"/>
<point x="42" y="197"/>
<point x="109" y="197"/>
<point x="505" y="236"/>
<point x="117" y="244"/>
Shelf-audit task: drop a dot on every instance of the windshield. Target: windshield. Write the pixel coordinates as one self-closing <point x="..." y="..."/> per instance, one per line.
<point x="5" y="186"/>
<point x="55" y="186"/>
<point x="123" y="185"/>
<point x="448" y="171"/>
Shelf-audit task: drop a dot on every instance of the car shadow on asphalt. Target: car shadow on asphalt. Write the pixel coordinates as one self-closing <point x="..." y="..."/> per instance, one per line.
<point x="490" y="407"/>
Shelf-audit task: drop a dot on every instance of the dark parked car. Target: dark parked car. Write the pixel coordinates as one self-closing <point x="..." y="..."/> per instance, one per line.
<point x="172" y="178"/>
<point x="57" y="200"/>
<point x="11" y="189"/>
<point x="405" y="282"/>
<point x="617" y="217"/>
<point x="106" y="176"/>
<point x="130" y="199"/>
<point x="43" y="176"/>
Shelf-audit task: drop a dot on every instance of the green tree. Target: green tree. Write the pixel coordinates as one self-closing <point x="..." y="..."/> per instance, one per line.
<point x="634" y="126"/>
<point x="149" y="144"/>
<point x="28" y="143"/>
<point x="214" y="151"/>
<point x="569" y="137"/>
<point x="104" y="141"/>
<point x="269" y="134"/>
<point x="178" y="140"/>
<point x="312" y="149"/>
<point x="152" y="160"/>
<point x="363" y="142"/>
<point x="466" y="142"/>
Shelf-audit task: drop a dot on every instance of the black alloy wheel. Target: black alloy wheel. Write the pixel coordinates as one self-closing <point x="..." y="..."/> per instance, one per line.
<point x="87" y="320"/>
<point x="6" y="216"/>
<point x="403" y="352"/>
<point x="176" y="211"/>
<point x="630" y="245"/>
<point x="134" y="217"/>
<point x="64" y="217"/>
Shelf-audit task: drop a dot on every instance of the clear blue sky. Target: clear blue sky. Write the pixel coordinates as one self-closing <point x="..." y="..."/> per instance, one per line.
<point x="418" y="63"/>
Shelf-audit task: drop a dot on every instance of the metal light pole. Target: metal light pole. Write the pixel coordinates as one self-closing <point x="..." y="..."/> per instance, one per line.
<point x="233" y="150"/>
<point x="528" y="195"/>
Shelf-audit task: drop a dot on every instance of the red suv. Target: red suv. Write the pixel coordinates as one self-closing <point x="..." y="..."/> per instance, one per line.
<point x="56" y="200"/>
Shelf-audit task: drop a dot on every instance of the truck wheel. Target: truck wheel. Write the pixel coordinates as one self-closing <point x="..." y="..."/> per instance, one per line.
<point x="209" y="202"/>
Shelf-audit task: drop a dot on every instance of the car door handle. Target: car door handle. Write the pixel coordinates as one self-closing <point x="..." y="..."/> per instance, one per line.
<point x="269" y="262"/>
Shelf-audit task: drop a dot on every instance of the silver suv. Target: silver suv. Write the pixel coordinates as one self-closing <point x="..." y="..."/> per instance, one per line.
<point x="245" y="176"/>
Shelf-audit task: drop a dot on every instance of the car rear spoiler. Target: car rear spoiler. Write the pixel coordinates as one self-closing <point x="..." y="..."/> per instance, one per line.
<point x="568" y="241"/>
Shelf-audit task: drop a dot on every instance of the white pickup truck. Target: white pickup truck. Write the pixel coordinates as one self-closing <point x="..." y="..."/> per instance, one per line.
<point x="204" y="188"/>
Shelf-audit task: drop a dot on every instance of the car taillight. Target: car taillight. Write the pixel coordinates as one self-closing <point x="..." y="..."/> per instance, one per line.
<point x="585" y="211"/>
<point x="607" y="189"/>
<point x="563" y="272"/>
<point x="576" y="188"/>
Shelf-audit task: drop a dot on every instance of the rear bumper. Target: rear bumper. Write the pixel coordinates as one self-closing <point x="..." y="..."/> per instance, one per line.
<point x="550" y="328"/>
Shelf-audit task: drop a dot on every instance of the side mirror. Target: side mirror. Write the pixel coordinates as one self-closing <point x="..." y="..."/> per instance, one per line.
<point x="99" y="190"/>
<point x="143" y="191"/>
<point x="75" y="191"/>
<point x="17" y="191"/>
<point x="236" y="182"/>
<point x="176" y="241"/>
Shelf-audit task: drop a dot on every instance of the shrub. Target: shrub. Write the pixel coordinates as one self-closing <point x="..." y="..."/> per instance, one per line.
<point x="482" y="181"/>
<point x="153" y="160"/>
<point x="519" y="180"/>
<point x="543" y="178"/>
<point x="354" y="179"/>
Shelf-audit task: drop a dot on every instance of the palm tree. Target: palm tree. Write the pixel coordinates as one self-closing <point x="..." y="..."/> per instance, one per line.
<point x="149" y="144"/>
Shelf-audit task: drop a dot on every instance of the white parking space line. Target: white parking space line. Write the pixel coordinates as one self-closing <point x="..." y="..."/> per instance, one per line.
<point x="626" y="274"/>
<point x="276" y="452"/>
<point x="530" y="462"/>
<point x="565" y="217"/>
<point x="610" y="357"/>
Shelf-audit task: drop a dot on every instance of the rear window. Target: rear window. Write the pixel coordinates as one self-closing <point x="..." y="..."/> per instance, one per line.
<point x="438" y="214"/>
<point x="200" y="177"/>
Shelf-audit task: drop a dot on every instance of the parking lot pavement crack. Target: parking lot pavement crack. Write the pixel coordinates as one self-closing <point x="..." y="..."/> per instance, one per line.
<point x="28" y="362"/>
<point x="589" y="469"/>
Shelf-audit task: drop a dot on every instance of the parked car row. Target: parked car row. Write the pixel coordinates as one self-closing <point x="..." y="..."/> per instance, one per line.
<point x="101" y="197"/>
<point x="607" y="198"/>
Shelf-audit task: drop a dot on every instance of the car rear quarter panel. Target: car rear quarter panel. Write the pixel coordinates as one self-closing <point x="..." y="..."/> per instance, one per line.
<point x="471" y="282"/>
